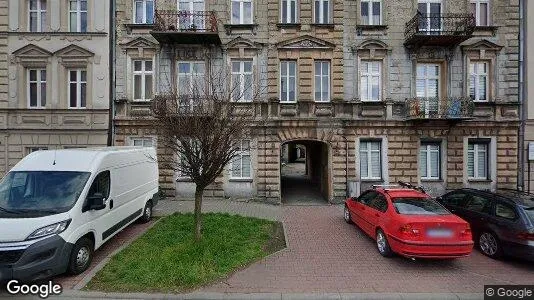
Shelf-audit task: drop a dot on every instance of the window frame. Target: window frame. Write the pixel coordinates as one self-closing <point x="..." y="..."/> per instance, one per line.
<point x="369" y="17"/>
<point x="476" y="74"/>
<point x="191" y="76"/>
<point x="369" y="151"/>
<point x="322" y="77"/>
<point x="39" y="84"/>
<point x="143" y="139"/>
<point x="39" y="11"/>
<point x="79" y="82"/>
<point x="242" y="74"/>
<point x="288" y="20"/>
<point x="320" y="19"/>
<point x="242" y="152"/>
<point x="78" y="11"/>
<point x="241" y="19"/>
<point x="429" y="169"/>
<point x="476" y="153"/>
<point x="478" y="11"/>
<point x="287" y="77"/>
<point x="370" y="75"/>
<point x="32" y="149"/>
<point x="512" y="207"/>
<point x="143" y="73"/>
<point x="144" y="12"/>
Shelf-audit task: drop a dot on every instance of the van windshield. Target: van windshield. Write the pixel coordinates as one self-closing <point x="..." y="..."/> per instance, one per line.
<point x="38" y="193"/>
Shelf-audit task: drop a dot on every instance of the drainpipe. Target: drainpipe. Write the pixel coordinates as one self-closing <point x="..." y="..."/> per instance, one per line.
<point x="112" y="38"/>
<point x="347" y="194"/>
<point x="522" y="103"/>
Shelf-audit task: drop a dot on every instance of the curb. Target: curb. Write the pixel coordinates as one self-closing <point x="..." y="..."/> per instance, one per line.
<point x="71" y="294"/>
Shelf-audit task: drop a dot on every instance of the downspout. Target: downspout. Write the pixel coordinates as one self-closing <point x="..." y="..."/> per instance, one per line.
<point x="112" y="38"/>
<point x="522" y="110"/>
<point x="347" y="193"/>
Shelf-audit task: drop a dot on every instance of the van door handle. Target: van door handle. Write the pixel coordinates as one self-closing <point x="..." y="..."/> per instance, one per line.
<point x="110" y="203"/>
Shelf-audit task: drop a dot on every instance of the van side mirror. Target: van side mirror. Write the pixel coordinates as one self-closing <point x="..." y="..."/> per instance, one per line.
<point x="96" y="201"/>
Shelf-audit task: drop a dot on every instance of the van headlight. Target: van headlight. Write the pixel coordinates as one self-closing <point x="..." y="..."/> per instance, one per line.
<point x="55" y="228"/>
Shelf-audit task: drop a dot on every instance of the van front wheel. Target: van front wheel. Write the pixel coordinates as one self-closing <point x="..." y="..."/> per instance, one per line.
<point x="147" y="213"/>
<point x="81" y="256"/>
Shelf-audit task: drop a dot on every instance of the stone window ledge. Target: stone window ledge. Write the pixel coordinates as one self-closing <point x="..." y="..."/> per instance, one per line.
<point x="240" y="180"/>
<point x="324" y="25"/>
<point x="480" y="180"/>
<point x="69" y="33"/>
<point x="184" y="179"/>
<point x="232" y="27"/>
<point x="370" y="29"/>
<point x="485" y="30"/>
<point x="378" y="181"/>
<point x="431" y="180"/>
<point x="288" y="25"/>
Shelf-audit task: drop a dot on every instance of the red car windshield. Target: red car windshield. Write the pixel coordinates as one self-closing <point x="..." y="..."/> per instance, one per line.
<point x="418" y="206"/>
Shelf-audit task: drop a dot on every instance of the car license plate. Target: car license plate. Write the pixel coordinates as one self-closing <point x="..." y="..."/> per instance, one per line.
<point x="439" y="233"/>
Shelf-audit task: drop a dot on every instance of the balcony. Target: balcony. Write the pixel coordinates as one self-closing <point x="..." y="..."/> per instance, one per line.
<point x="438" y="29"/>
<point x="186" y="27"/>
<point x="449" y="109"/>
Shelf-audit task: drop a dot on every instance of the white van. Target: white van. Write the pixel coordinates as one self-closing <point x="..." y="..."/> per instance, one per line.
<point x="58" y="206"/>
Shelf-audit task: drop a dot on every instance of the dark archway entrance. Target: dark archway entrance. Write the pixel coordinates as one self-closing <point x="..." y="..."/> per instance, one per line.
<point x="305" y="172"/>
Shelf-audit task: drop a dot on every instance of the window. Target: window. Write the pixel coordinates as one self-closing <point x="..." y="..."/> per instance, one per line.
<point x="477" y="160"/>
<point x="455" y="199"/>
<point x="370" y="160"/>
<point x="190" y="83"/>
<point x="34" y="149"/>
<point x="505" y="211"/>
<point x="77" y="88"/>
<point x="37" y="88"/>
<point x="478" y="81"/>
<point x="288" y="81"/>
<point x="427" y="87"/>
<point x="322" y="81"/>
<point x="143" y="75"/>
<point x="379" y="203"/>
<point x="144" y="11"/>
<point x="322" y="11"/>
<point x="370" y="80"/>
<point x="429" y="155"/>
<point x="367" y="197"/>
<point x="37" y="15"/>
<point x="78" y="15"/>
<point x="418" y="206"/>
<point x="479" y="204"/>
<point x="101" y="185"/>
<point x="289" y="11"/>
<point x="241" y="164"/>
<point x="190" y="19"/>
<point x="371" y="11"/>
<point x="428" y="21"/>
<point x="142" y="142"/>
<point x="242" y="80"/>
<point x="241" y="11"/>
<point x="480" y="9"/>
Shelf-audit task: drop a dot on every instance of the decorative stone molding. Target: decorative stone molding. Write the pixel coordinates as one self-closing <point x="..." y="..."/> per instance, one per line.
<point x="305" y="42"/>
<point x="243" y="43"/>
<point x="31" y="56"/>
<point x="74" y="56"/>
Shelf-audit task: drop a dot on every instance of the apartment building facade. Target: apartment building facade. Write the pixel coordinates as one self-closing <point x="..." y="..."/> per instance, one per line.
<point x="54" y="82"/>
<point x="375" y="91"/>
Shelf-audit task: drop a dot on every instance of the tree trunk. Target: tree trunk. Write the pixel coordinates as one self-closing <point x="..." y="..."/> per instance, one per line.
<point x="198" y="214"/>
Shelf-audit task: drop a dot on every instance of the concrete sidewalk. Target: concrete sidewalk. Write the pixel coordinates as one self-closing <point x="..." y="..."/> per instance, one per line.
<point x="268" y="296"/>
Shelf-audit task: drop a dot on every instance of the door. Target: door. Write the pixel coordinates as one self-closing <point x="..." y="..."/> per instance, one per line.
<point x="101" y="219"/>
<point x="478" y="210"/>
<point x="427" y="88"/>
<point x="376" y="213"/>
<point x="191" y="15"/>
<point x="430" y="18"/>
<point x="359" y="210"/>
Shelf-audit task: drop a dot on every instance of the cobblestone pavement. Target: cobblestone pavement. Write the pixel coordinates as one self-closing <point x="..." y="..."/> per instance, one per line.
<point x="325" y="254"/>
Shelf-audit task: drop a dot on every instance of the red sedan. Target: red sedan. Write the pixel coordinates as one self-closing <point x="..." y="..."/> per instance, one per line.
<point x="408" y="222"/>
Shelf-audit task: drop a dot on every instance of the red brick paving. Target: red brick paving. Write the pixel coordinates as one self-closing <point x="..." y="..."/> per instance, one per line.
<point x="127" y="235"/>
<point x="327" y="255"/>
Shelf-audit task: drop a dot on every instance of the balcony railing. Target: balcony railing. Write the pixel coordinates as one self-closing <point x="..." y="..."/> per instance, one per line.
<point x="435" y="108"/>
<point x="185" y="27"/>
<point x="439" y="29"/>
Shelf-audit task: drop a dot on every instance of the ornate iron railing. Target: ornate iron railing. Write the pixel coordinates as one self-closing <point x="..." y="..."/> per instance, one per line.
<point x="450" y="24"/>
<point x="435" y="108"/>
<point x="185" y="21"/>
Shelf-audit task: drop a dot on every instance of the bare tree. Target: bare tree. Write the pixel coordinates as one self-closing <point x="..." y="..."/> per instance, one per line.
<point x="202" y="124"/>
